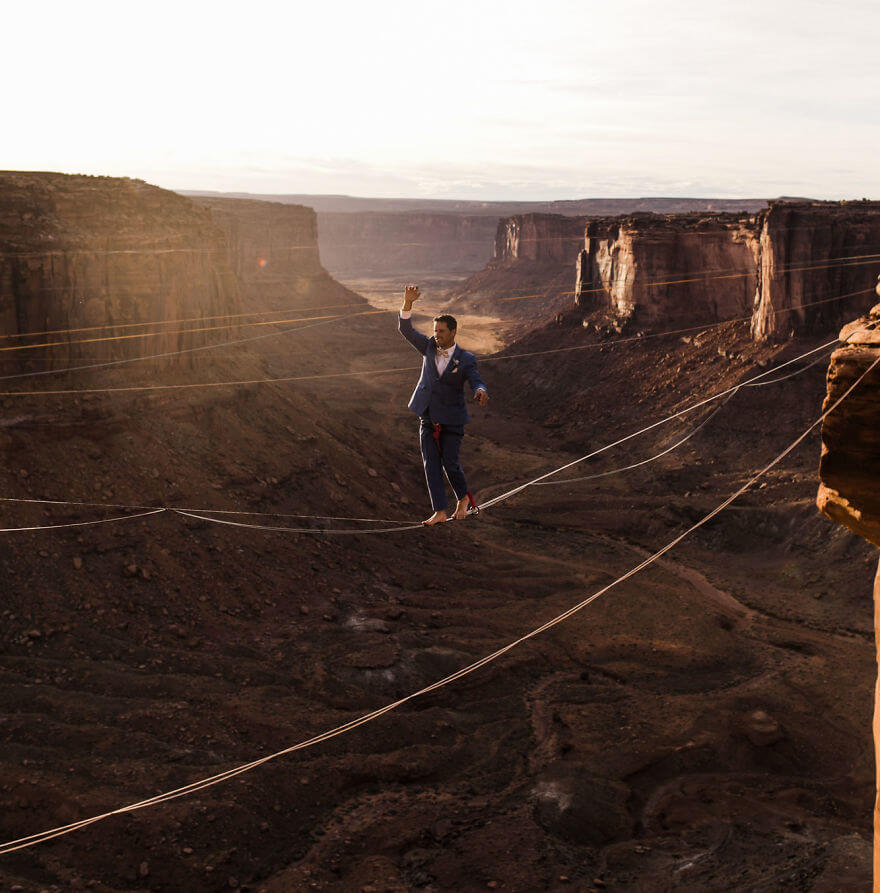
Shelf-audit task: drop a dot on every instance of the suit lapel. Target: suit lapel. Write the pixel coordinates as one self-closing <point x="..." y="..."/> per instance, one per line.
<point x="431" y="357"/>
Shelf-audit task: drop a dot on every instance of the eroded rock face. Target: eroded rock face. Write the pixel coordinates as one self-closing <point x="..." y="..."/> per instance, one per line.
<point x="273" y="248"/>
<point x="849" y="468"/>
<point x="534" y="255"/>
<point x="782" y="267"/>
<point x="78" y="252"/>
<point x="548" y="239"/>
<point x="669" y="269"/>
<point x="811" y="252"/>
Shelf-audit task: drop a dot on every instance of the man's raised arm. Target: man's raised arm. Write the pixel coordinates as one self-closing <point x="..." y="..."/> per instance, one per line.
<point x="404" y="323"/>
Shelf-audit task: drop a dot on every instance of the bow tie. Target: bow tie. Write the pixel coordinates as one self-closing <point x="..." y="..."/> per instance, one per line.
<point x="442" y="353"/>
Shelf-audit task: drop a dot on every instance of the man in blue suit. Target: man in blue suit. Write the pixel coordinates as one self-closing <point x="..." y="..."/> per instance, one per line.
<point x="438" y="401"/>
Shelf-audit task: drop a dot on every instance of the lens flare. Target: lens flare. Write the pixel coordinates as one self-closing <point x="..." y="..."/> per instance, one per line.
<point x="262" y="262"/>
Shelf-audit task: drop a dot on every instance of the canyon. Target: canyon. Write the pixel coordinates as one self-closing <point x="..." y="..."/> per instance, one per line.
<point x="704" y="725"/>
<point x="445" y="239"/>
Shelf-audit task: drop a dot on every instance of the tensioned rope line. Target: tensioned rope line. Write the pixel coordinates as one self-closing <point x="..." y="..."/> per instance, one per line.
<point x="167" y="354"/>
<point x="368" y="372"/>
<point x="690" y="434"/>
<point x="63" y="252"/>
<point x="186" y="350"/>
<point x="327" y="531"/>
<point x="50" y="834"/>
<point x="168" y="508"/>
<point x="520" y="487"/>
<point x="642" y="336"/>
<point x="753" y="382"/>
<point x="700" y="278"/>
<point x="177" y="321"/>
<point x="81" y="523"/>
<point x="188" y="331"/>
<point x="665" y="452"/>
<point x="201" y="513"/>
<point x="871" y="258"/>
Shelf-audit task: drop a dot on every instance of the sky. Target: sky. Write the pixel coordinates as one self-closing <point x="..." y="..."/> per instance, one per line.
<point x="548" y="99"/>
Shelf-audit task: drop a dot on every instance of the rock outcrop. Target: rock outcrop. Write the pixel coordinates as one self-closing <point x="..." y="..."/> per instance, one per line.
<point x="670" y="270"/>
<point x="795" y="268"/>
<point x="849" y="468"/>
<point x="273" y="248"/>
<point x="537" y="239"/>
<point x="811" y="252"/>
<point x="97" y="253"/>
<point x="532" y="253"/>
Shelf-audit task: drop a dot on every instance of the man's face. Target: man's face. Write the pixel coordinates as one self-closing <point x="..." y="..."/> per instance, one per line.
<point x="443" y="335"/>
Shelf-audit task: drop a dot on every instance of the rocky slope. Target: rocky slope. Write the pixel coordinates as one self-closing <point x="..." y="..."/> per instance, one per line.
<point x="90" y="253"/>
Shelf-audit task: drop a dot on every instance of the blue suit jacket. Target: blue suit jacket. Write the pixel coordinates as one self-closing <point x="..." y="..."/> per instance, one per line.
<point x="441" y="397"/>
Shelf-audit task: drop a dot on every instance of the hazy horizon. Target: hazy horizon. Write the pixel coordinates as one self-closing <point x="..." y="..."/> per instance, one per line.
<point x="541" y="102"/>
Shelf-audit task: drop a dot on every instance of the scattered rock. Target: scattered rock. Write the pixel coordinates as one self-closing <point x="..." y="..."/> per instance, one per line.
<point x="762" y="730"/>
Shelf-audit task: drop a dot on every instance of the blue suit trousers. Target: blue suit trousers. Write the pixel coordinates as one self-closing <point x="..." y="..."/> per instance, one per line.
<point x="445" y="459"/>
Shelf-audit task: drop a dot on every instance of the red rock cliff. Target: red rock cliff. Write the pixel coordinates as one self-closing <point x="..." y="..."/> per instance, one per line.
<point x="780" y="266"/>
<point x="79" y="252"/>
<point x="675" y="269"/>
<point x="809" y="252"/>
<point x="849" y="469"/>
<point x="533" y="253"/>
<point x="274" y="251"/>
<point x="537" y="239"/>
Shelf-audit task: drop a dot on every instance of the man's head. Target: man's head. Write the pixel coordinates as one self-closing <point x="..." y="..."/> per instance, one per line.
<point x="444" y="330"/>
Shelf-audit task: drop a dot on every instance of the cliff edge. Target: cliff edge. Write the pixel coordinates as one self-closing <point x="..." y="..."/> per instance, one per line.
<point x="849" y="468"/>
<point x="97" y="253"/>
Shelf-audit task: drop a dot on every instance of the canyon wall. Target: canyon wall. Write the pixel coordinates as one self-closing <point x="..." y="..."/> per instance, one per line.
<point x="539" y="239"/>
<point x="534" y="255"/>
<point x="87" y="253"/>
<point x="794" y="269"/>
<point x="668" y="270"/>
<point x="389" y="244"/>
<point x="849" y="469"/>
<point x="810" y="252"/>
<point x="273" y="248"/>
<point x="362" y="237"/>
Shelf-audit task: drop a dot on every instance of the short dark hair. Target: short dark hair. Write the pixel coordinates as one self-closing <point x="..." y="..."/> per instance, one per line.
<point x="448" y="321"/>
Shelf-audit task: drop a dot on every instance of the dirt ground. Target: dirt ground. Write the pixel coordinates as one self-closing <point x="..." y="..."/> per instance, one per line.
<point x="704" y="725"/>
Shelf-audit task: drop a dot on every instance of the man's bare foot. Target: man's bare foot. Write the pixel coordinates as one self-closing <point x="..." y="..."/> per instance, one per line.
<point x="461" y="509"/>
<point x="436" y="518"/>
